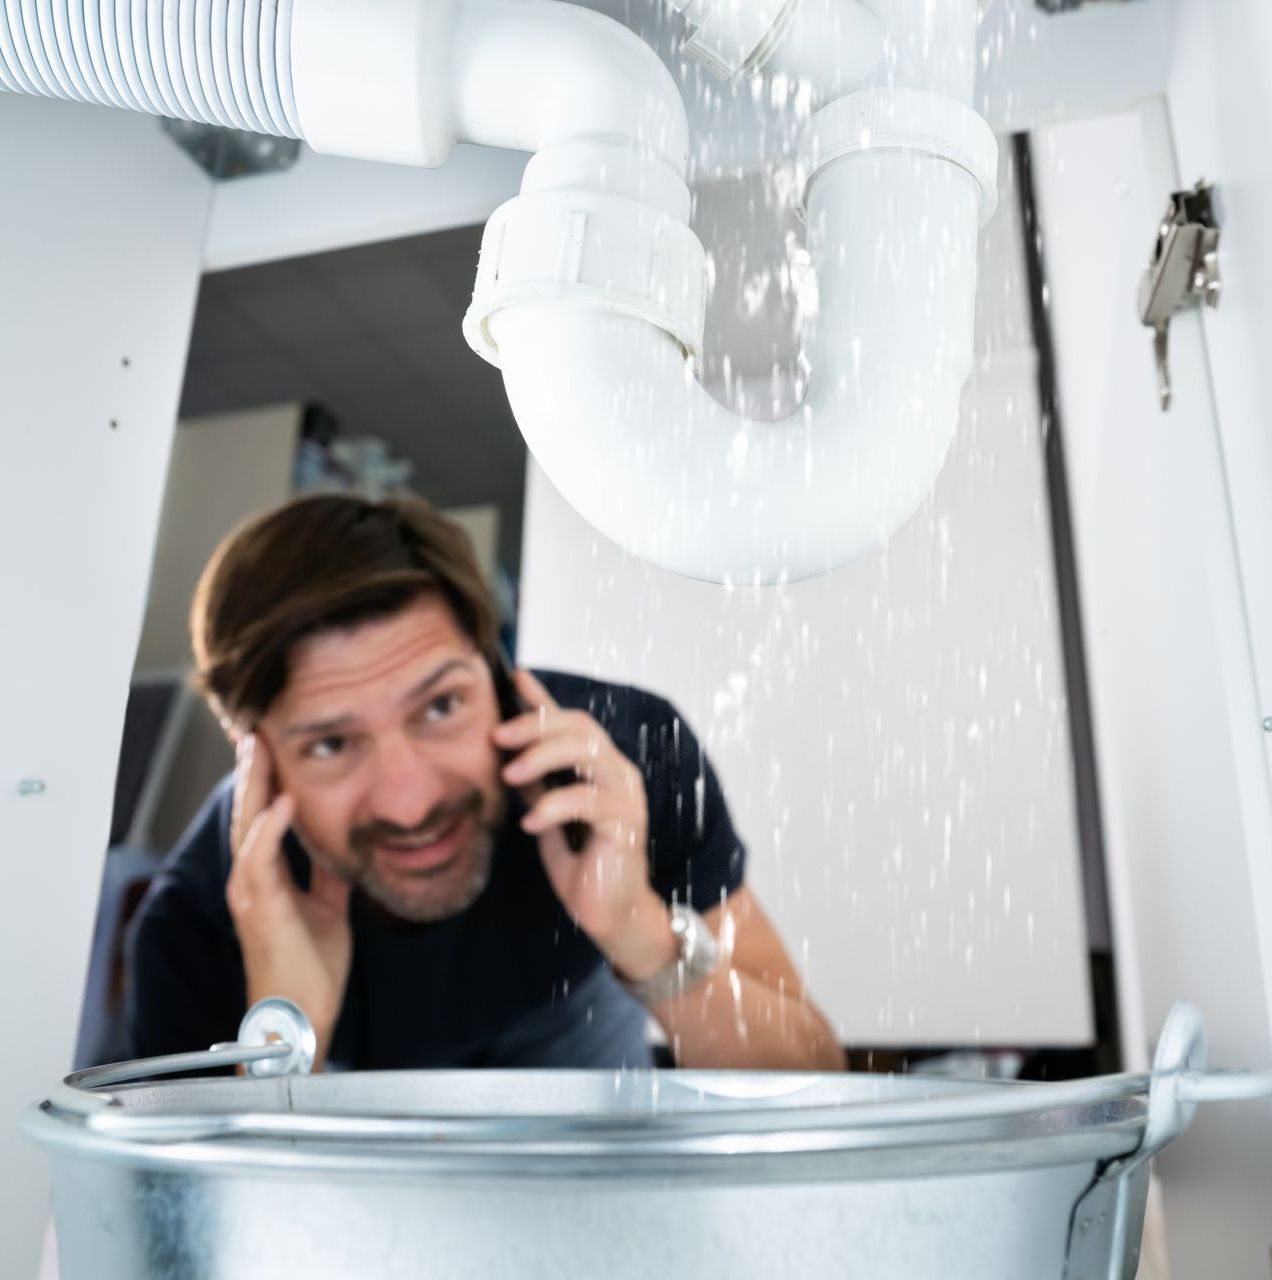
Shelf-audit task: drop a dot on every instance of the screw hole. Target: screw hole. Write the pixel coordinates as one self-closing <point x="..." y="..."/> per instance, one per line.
<point x="126" y="363"/>
<point x="114" y="424"/>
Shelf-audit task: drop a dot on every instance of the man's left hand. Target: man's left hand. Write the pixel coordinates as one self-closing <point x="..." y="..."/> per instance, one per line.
<point x="605" y="887"/>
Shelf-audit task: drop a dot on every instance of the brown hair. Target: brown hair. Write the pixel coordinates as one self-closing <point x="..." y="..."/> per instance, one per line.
<point x="322" y="562"/>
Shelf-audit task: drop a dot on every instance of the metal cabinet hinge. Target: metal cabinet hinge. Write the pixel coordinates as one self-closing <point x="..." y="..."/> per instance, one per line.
<point x="231" y="153"/>
<point x="1065" y="6"/>
<point x="1182" y="272"/>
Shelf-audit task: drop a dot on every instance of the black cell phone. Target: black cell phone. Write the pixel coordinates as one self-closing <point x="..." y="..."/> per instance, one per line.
<point x="512" y="704"/>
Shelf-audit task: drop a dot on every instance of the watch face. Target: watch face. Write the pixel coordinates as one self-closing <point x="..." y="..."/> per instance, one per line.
<point x="697" y="951"/>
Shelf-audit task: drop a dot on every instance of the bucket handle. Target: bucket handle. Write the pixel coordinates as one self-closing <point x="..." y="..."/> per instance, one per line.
<point x="275" y="1038"/>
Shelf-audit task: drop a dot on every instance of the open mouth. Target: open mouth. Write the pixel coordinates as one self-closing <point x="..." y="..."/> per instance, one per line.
<point x="427" y="852"/>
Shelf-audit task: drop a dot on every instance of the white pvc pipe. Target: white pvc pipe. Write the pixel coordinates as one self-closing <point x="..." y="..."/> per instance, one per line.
<point x="372" y="78"/>
<point x="225" y="62"/>
<point x="832" y="44"/>
<point x="928" y="44"/>
<point x="610" y="408"/>
<point x="838" y="46"/>
<point x="531" y="73"/>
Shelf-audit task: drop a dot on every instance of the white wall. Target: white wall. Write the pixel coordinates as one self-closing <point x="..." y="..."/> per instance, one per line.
<point x="101" y="231"/>
<point x="224" y="468"/>
<point x="1037" y="67"/>
<point x="892" y="738"/>
<point x="1188" y="823"/>
<point x="1221" y="114"/>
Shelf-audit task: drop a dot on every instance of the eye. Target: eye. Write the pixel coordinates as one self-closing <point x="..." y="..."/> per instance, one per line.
<point x="326" y="748"/>
<point x="441" y="707"/>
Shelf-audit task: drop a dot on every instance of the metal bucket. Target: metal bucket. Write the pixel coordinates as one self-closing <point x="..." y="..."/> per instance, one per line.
<point x="581" y="1173"/>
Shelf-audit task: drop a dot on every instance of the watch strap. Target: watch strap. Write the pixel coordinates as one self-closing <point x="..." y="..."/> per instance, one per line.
<point x="699" y="955"/>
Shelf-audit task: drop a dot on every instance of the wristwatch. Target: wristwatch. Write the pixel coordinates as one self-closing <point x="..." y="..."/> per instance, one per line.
<point x="699" y="955"/>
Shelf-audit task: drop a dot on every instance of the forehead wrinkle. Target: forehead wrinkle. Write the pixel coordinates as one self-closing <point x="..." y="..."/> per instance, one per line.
<point x="325" y="675"/>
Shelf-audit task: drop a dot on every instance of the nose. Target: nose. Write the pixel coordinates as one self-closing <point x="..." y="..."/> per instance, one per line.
<point x="406" y="784"/>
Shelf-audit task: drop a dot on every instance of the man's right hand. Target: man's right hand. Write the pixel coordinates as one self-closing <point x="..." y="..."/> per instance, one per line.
<point x="294" y="944"/>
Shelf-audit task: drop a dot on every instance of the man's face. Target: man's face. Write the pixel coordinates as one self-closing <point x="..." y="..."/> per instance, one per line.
<point x="382" y="738"/>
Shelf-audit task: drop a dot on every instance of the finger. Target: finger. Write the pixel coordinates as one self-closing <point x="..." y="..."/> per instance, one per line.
<point x="559" y="860"/>
<point x="539" y="723"/>
<point x="258" y="863"/>
<point x="523" y="729"/>
<point x="253" y="785"/>
<point x="587" y="754"/>
<point x="606" y="861"/>
<point x="555" y="808"/>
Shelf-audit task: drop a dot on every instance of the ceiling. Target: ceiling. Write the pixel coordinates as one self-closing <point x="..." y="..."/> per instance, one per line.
<point x="371" y="333"/>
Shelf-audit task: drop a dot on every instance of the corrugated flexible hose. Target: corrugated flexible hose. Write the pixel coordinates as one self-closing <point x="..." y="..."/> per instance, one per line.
<point x="224" y="62"/>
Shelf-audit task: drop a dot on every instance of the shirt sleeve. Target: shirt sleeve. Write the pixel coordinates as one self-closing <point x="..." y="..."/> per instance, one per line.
<point x="696" y="855"/>
<point x="184" y="984"/>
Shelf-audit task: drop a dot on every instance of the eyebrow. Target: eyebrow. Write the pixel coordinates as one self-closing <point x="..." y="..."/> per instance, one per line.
<point x="316" y="728"/>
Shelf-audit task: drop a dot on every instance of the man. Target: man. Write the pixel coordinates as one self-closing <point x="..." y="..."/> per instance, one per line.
<point x="394" y="852"/>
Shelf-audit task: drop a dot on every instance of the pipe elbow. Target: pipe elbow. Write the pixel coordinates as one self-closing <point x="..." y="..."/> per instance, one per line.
<point x="528" y="74"/>
<point x="611" y="411"/>
<point x="520" y="74"/>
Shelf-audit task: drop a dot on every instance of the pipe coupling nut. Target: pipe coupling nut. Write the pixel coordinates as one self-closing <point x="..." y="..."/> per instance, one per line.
<point x="728" y="36"/>
<point x="901" y="120"/>
<point x="613" y="253"/>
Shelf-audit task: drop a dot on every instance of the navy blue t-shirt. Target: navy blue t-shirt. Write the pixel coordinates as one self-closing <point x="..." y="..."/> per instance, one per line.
<point x="509" y="982"/>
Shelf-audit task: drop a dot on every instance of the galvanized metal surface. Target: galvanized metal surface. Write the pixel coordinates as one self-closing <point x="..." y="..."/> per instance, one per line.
<point x="116" y="1222"/>
<point x="538" y="1174"/>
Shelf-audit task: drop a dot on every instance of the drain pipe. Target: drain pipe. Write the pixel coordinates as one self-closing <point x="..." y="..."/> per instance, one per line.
<point x="589" y="298"/>
<point x="833" y="44"/>
<point x="591" y="290"/>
